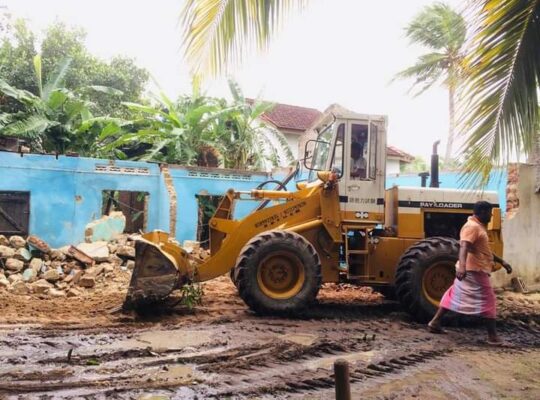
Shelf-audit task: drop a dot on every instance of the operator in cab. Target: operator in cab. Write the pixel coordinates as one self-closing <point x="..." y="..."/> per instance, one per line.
<point x="358" y="162"/>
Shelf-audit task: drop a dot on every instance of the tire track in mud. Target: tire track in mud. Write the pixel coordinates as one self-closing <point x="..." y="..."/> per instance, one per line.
<point x="307" y="381"/>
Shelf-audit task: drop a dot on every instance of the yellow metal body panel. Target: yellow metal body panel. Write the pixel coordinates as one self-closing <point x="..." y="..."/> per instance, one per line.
<point x="304" y="212"/>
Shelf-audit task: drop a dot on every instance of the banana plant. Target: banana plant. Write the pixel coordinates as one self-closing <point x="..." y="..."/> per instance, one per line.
<point x="55" y="120"/>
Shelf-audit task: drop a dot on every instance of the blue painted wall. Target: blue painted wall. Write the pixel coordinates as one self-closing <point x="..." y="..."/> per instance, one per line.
<point x="66" y="193"/>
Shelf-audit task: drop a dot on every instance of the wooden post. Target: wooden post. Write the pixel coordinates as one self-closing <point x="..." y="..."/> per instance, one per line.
<point x="341" y="376"/>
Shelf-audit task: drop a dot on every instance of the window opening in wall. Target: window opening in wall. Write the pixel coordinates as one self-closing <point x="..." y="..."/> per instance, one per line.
<point x="14" y="212"/>
<point x="134" y="206"/>
<point x="206" y="207"/>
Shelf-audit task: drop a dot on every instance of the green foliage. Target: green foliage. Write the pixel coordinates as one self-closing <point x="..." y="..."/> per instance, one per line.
<point x="182" y="131"/>
<point x="416" y="165"/>
<point x="499" y="110"/>
<point x="57" y="120"/>
<point x="61" y="42"/>
<point x="442" y="30"/>
<point x="439" y="28"/>
<point x="191" y="295"/>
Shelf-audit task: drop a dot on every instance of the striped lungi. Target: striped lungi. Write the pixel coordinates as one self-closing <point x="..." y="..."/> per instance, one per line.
<point x="473" y="295"/>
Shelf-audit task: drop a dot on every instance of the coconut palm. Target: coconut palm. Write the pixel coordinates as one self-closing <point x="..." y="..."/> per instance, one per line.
<point x="218" y="33"/>
<point x="442" y="30"/>
<point x="499" y="107"/>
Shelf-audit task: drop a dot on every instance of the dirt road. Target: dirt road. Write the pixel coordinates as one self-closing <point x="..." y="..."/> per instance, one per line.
<point x="74" y="348"/>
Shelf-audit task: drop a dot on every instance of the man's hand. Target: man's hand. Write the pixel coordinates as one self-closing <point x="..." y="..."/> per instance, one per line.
<point x="461" y="273"/>
<point x="507" y="267"/>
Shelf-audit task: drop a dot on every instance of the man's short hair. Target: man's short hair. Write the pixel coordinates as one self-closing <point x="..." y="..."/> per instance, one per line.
<point x="357" y="146"/>
<point x="482" y="206"/>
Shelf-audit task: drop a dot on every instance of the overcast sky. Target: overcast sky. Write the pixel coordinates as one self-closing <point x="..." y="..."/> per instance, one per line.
<point x="336" y="51"/>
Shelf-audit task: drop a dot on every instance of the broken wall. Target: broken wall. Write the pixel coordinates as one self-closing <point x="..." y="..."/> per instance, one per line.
<point x="66" y="193"/>
<point x="521" y="232"/>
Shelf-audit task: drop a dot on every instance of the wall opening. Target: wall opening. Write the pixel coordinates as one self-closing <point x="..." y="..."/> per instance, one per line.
<point x="134" y="206"/>
<point x="14" y="212"/>
<point x="206" y="207"/>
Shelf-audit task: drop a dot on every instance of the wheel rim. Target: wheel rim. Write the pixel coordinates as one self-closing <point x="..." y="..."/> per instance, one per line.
<point x="437" y="279"/>
<point x="281" y="275"/>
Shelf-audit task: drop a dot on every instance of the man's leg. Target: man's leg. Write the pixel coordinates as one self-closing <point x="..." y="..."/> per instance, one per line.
<point x="435" y="324"/>
<point x="491" y="327"/>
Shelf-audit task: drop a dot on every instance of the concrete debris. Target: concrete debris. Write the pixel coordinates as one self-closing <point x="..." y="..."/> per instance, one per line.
<point x="57" y="255"/>
<point x="56" y="293"/>
<point x="4" y="241"/>
<point x="29" y="275"/>
<point x="126" y="251"/>
<point x="17" y="242"/>
<point x="41" y="286"/>
<point x="14" y="278"/>
<point x="80" y="256"/>
<point x="19" y="287"/>
<point x="14" y="265"/>
<point x="51" y="275"/>
<point x="87" y="281"/>
<point x="99" y="251"/>
<point x="22" y="254"/>
<point x="6" y="251"/>
<point x="39" y="244"/>
<point x="106" y="228"/>
<point x="66" y="272"/>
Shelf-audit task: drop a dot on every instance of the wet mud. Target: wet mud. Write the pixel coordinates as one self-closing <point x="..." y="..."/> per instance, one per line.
<point x="63" y="349"/>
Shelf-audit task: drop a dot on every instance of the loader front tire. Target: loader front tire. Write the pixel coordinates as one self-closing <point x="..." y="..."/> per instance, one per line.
<point x="278" y="272"/>
<point x="425" y="271"/>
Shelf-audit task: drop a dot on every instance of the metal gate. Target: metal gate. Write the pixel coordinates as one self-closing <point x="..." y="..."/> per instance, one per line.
<point x="14" y="213"/>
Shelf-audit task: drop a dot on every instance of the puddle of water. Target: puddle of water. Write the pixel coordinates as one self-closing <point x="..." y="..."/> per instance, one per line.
<point x="165" y="340"/>
<point x="304" y="339"/>
<point x="328" y="362"/>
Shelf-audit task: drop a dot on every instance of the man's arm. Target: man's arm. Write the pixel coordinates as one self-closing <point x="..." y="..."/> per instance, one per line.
<point x="505" y="265"/>
<point x="464" y="248"/>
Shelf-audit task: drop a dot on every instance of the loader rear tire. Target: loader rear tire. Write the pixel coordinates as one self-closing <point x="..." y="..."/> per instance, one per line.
<point x="278" y="272"/>
<point x="425" y="271"/>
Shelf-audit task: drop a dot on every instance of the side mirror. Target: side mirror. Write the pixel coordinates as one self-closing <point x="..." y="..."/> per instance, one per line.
<point x="311" y="147"/>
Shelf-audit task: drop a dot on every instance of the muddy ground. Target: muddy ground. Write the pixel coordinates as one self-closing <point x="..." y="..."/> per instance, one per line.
<point x="76" y="348"/>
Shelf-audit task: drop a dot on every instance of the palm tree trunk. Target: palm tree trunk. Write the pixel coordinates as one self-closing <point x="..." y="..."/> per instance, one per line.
<point x="451" y="122"/>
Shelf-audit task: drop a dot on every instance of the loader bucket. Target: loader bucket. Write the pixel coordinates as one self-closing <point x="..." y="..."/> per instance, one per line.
<point x="155" y="276"/>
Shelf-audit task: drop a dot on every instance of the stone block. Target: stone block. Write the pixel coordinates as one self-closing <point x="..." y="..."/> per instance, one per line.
<point x="51" y="275"/>
<point x="126" y="251"/>
<point x="4" y="241"/>
<point x="17" y="241"/>
<point x="14" y="265"/>
<point x="87" y="281"/>
<point x="22" y="254"/>
<point x="19" y="287"/>
<point x="6" y="251"/>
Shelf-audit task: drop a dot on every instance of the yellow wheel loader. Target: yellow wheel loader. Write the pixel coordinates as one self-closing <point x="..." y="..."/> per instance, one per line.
<point x="339" y="226"/>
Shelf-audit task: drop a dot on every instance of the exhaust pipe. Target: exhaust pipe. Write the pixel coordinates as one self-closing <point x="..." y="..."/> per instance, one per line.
<point x="435" y="166"/>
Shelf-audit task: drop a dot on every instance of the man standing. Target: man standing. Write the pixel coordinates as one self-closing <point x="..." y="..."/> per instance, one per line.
<point x="471" y="292"/>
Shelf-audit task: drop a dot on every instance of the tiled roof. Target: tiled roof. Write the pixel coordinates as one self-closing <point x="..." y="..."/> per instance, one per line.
<point x="392" y="151"/>
<point x="286" y="116"/>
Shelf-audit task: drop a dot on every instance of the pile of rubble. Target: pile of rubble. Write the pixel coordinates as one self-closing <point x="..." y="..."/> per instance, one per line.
<point x="30" y="266"/>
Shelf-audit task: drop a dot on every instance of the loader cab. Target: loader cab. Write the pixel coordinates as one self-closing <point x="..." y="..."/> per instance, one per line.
<point x="353" y="146"/>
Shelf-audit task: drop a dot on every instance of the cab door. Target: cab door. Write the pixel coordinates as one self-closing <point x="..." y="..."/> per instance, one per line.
<point x="364" y="173"/>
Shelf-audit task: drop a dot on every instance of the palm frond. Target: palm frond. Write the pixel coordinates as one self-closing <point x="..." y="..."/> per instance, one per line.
<point x="499" y="101"/>
<point x="38" y="74"/>
<point x="438" y="26"/>
<point x="218" y="33"/>
<point x="429" y="69"/>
